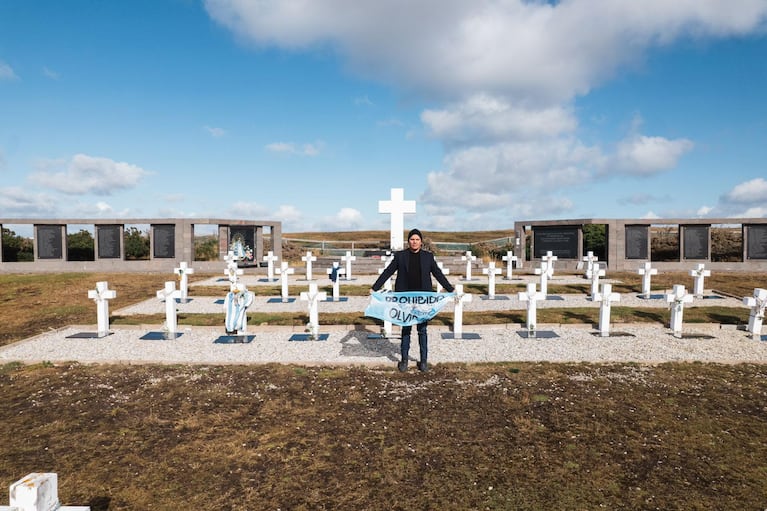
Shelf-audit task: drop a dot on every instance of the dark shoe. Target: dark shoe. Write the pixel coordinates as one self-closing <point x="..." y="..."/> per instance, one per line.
<point x="402" y="366"/>
<point x="423" y="366"/>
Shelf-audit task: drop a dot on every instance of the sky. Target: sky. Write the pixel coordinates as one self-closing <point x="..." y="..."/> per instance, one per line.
<point x="309" y="112"/>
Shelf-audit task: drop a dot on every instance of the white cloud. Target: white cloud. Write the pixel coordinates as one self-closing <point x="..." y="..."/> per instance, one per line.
<point x="643" y="155"/>
<point x="310" y="149"/>
<point x="6" y="72"/>
<point x="363" y="101"/>
<point x="244" y="209"/>
<point x="749" y="192"/>
<point x="704" y="211"/>
<point x="89" y="174"/>
<point x="18" y="201"/>
<point x="215" y="132"/>
<point x="50" y="73"/>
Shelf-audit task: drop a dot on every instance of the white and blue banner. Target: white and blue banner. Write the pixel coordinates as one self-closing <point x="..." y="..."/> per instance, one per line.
<point x="406" y="308"/>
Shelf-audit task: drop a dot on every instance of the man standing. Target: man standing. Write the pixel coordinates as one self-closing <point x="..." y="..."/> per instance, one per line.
<point x="414" y="268"/>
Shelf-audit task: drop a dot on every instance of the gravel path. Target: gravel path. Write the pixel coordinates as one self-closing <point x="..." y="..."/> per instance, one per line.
<point x="358" y="346"/>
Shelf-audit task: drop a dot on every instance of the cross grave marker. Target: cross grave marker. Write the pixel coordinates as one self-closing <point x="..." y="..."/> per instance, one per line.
<point x="101" y="295"/>
<point x="169" y="294"/>
<point x="606" y="297"/>
<point x="491" y="271"/>
<point x="270" y="259"/>
<point x="531" y="296"/>
<point x="313" y="296"/>
<point x="348" y="258"/>
<point x="183" y="271"/>
<point x="676" y="300"/>
<point x="758" y="302"/>
<point x="309" y="259"/>
<point x="646" y="271"/>
<point x="510" y="259"/>
<point x="469" y="258"/>
<point x="699" y="273"/>
<point x="397" y="207"/>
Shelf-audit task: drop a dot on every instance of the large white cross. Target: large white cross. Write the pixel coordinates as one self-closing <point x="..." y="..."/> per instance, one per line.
<point x="590" y="259"/>
<point x="531" y="296"/>
<point x="270" y="259"/>
<point x="606" y="297"/>
<point x="596" y="272"/>
<point x="348" y="258"/>
<point x="699" y="273"/>
<point x="284" y="272"/>
<point x="101" y="295"/>
<point x="309" y="258"/>
<point x="549" y="258"/>
<point x="183" y="271"/>
<point x="543" y="271"/>
<point x="469" y="258"/>
<point x="491" y="271"/>
<point x="460" y="298"/>
<point x="397" y="207"/>
<point x="510" y="258"/>
<point x="676" y="300"/>
<point x="313" y="297"/>
<point x="647" y="271"/>
<point x="445" y="271"/>
<point x="757" y="303"/>
<point x="337" y="282"/>
<point x="169" y="294"/>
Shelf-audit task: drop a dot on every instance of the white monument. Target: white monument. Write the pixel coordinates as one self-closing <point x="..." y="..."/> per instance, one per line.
<point x="460" y="298"/>
<point x="510" y="259"/>
<point x="646" y="271"/>
<point x="469" y="258"/>
<point x="589" y="259"/>
<point x="101" y="295"/>
<point x="549" y="258"/>
<point x="543" y="271"/>
<point x="284" y="270"/>
<point x="309" y="259"/>
<point x="491" y="271"/>
<point x="531" y="296"/>
<point x="606" y="297"/>
<point x="699" y="274"/>
<point x="397" y="207"/>
<point x="313" y="297"/>
<point x="757" y="304"/>
<point x="38" y="491"/>
<point x="596" y="272"/>
<point x="676" y="300"/>
<point x="270" y="259"/>
<point x="236" y="306"/>
<point x="169" y="294"/>
<point x="183" y="271"/>
<point x="348" y="258"/>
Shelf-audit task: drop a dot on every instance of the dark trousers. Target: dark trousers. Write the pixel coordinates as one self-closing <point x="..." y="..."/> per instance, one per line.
<point x="423" y="341"/>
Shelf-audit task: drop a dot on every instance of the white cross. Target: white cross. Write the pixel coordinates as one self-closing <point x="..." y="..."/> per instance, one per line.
<point x="397" y="207"/>
<point x="337" y="282"/>
<point x="270" y="259"/>
<point x="596" y="272"/>
<point x="348" y="258"/>
<point x="284" y="271"/>
<point x="699" y="273"/>
<point x="757" y="303"/>
<point x="460" y="298"/>
<point x="676" y="300"/>
<point x="37" y="491"/>
<point x="469" y="258"/>
<point x="647" y="271"/>
<point x="606" y="297"/>
<point x="169" y="294"/>
<point x="531" y="297"/>
<point x="510" y="258"/>
<point x="230" y="259"/>
<point x="236" y="308"/>
<point x="491" y="271"/>
<point x="445" y="271"/>
<point x="309" y="258"/>
<point x="543" y="271"/>
<point x="100" y="295"/>
<point x="590" y="259"/>
<point x="549" y="258"/>
<point x="313" y="297"/>
<point x="183" y="271"/>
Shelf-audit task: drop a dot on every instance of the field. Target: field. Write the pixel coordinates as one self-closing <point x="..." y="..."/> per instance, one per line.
<point x="476" y="437"/>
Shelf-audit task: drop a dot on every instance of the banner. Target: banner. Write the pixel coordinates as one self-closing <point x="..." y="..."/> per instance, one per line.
<point x="406" y="308"/>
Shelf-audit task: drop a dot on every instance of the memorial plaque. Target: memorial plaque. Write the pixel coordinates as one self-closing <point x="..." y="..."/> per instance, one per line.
<point x="49" y="242"/>
<point x="636" y="241"/>
<point x="109" y="238"/>
<point x="164" y="242"/>
<point x="561" y="241"/>
<point x="757" y="241"/>
<point x="695" y="241"/>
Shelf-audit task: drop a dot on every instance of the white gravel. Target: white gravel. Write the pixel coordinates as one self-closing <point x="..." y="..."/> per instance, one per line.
<point x="643" y="343"/>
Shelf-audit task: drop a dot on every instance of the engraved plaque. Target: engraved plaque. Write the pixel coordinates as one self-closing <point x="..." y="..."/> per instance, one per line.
<point x="561" y="241"/>
<point x="757" y="241"/>
<point x="49" y="242"/>
<point x="109" y="237"/>
<point x="695" y="241"/>
<point x="164" y="242"/>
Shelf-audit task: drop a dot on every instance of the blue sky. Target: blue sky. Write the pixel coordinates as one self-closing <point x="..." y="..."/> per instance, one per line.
<point x="309" y="112"/>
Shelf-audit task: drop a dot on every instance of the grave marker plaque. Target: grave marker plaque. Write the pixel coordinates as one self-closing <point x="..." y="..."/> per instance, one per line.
<point x="49" y="242"/>
<point x="109" y="237"/>
<point x="756" y="247"/>
<point x="636" y="241"/>
<point x="561" y="241"/>
<point x="164" y="242"/>
<point x="695" y="241"/>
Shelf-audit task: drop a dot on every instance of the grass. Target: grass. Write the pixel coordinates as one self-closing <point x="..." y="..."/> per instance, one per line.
<point x="533" y="436"/>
